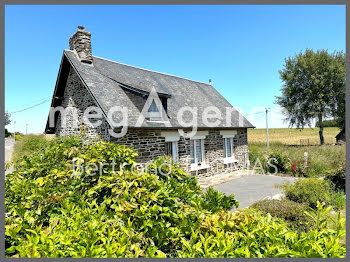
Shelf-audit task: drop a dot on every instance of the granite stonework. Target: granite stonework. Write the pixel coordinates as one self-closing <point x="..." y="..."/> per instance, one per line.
<point x="149" y="143"/>
<point x="76" y="100"/>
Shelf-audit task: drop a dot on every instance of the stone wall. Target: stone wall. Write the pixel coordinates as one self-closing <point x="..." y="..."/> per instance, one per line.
<point x="77" y="98"/>
<point x="150" y="145"/>
<point x="148" y="142"/>
<point x="214" y="153"/>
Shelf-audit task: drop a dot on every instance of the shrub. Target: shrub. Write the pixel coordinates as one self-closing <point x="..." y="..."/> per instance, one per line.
<point x="54" y="212"/>
<point x="277" y="159"/>
<point x="18" y="137"/>
<point x="337" y="179"/>
<point x="301" y="168"/>
<point x="291" y="212"/>
<point x="248" y="233"/>
<point x="214" y="201"/>
<point x="309" y="191"/>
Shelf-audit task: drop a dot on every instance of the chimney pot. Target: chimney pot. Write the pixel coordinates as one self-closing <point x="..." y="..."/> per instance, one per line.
<point x="209" y="81"/>
<point x="81" y="43"/>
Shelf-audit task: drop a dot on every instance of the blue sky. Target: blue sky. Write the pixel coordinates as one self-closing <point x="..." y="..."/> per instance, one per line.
<point x="241" y="48"/>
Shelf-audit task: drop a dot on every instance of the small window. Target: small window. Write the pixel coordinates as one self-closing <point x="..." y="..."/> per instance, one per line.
<point x="153" y="107"/>
<point x="228" y="147"/>
<point x="153" y="112"/>
<point x="171" y="149"/>
<point x="197" y="150"/>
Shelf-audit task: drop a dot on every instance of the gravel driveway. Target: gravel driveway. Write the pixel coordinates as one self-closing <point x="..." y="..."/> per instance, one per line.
<point x="249" y="189"/>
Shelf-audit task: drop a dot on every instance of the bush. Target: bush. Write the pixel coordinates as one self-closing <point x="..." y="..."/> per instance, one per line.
<point x="309" y="191"/>
<point x="337" y="179"/>
<point x="27" y="145"/>
<point x="291" y="212"/>
<point x="214" y="201"/>
<point x="18" y="137"/>
<point x="277" y="159"/>
<point x="301" y="168"/>
<point x="269" y="161"/>
<point x="55" y="210"/>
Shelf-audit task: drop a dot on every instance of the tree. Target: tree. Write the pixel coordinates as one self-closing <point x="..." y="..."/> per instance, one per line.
<point x="313" y="88"/>
<point x="7" y="119"/>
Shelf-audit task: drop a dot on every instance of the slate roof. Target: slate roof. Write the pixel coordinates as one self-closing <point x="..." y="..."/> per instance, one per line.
<point x="109" y="83"/>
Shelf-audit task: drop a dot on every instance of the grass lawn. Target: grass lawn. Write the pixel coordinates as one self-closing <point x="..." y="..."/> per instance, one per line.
<point x="292" y="136"/>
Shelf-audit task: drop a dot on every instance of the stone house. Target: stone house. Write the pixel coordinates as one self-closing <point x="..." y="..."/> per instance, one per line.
<point x="85" y="81"/>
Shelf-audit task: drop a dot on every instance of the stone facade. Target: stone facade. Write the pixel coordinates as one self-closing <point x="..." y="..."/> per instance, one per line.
<point x="76" y="100"/>
<point x="148" y="142"/>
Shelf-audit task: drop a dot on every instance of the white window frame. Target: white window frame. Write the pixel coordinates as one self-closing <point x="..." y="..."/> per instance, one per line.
<point x="232" y="158"/>
<point x="174" y="150"/>
<point x="198" y="165"/>
<point x="226" y="148"/>
<point x="229" y="134"/>
<point x="173" y="137"/>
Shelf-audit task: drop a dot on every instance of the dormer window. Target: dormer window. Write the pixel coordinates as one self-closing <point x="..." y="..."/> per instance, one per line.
<point x="153" y="112"/>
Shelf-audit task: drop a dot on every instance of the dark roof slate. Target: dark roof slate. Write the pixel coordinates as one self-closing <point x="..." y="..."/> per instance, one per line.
<point x="106" y="81"/>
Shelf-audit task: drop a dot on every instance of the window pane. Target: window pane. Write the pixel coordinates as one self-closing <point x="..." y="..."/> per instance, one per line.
<point x="174" y="151"/>
<point x="153" y="107"/>
<point x="229" y="147"/>
<point x="225" y="153"/>
<point x="192" y="151"/>
<point x="168" y="149"/>
<point x="199" y="151"/>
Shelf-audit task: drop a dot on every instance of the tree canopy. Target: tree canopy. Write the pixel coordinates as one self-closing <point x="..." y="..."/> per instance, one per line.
<point x="7" y="119"/>
<point x="313" y="88"/>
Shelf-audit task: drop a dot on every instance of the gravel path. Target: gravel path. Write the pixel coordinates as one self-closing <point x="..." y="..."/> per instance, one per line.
<point x="249" y="189"/>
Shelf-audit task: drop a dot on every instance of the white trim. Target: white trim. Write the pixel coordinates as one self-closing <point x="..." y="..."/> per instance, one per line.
<point x="229" y="160"/>
<point x="170" y="136"/>
<point x="200" y="135"/>
<point x="228" y="133"/>
<point x="198" y="165"/>
<point x="175" y="150"/>
<point x="195" y="166"/>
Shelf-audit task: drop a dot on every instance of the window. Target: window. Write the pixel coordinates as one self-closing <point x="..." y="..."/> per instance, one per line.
<point x="153" y="112"/>
<point x="153" y="107"/>
<point x="228" y="147"/>
<point x="197" y="150"/>
<point x="171" y="149"/>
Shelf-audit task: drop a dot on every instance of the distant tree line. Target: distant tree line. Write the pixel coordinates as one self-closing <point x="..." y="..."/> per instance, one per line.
<point x="328" y="123"/>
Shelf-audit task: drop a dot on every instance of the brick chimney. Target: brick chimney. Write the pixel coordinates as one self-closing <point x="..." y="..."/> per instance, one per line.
<point x="81" y="43"/>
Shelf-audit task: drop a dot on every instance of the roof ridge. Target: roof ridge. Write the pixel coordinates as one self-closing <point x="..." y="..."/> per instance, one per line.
<point x="145" y="69"/>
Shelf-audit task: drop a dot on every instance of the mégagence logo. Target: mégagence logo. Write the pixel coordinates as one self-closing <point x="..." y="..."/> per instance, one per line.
<point x="117" y="119"/>
<point x="153" y="111"/>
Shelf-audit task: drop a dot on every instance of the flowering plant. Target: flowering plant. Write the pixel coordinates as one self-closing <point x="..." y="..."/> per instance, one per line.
<point x="300" y="168"/>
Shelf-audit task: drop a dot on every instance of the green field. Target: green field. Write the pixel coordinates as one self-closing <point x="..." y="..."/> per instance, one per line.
<point x="286" y="141"/>
<point x="293" y="136"/>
